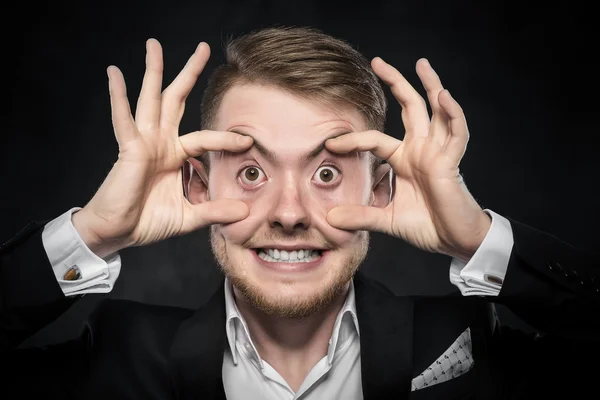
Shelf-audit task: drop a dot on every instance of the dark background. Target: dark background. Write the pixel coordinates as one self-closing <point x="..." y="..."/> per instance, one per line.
<point x="524" y="73"/>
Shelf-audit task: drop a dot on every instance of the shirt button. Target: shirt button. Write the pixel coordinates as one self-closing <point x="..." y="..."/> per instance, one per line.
<point x="247" y="344"/>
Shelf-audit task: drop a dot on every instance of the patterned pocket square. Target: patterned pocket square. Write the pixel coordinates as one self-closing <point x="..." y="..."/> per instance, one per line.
<point x="455" y="361"/>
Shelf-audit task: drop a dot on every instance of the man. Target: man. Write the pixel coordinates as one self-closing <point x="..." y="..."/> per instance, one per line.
<point x="291" y="170"/>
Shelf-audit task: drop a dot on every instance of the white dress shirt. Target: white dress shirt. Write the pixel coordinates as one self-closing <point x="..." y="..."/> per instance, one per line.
<point x="245" y="374"/>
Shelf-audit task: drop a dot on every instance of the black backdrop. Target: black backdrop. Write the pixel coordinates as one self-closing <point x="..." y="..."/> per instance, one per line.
<point x="524" y="73"/>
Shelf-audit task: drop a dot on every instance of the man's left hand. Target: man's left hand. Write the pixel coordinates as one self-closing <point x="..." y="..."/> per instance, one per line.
<point x="430" y="206"/>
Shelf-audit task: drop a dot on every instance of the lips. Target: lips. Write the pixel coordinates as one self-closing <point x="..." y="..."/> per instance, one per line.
<point x="309" y="261"/>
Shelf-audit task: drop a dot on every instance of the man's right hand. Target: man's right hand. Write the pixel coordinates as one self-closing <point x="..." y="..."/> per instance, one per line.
<point x="141" y="200"/>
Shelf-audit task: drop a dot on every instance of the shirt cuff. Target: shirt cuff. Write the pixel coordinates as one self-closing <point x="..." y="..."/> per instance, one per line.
<point x="484" y="273"/>
<point x="65" y="249"/>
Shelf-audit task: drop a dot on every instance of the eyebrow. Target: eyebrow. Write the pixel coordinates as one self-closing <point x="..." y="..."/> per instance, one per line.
<point x="272" y="157"/>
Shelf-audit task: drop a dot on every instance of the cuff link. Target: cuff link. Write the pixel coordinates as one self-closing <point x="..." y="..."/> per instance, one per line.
<point x="493" y="279"/>
<point x="72" y="274"/>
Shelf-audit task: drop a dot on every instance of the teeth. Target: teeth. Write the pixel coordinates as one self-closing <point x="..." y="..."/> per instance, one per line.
<point x="274" y="255"/>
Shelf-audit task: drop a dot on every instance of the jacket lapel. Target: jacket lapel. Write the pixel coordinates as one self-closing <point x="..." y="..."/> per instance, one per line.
<point x="386" y="340"/>
<point x="196" y="355"/>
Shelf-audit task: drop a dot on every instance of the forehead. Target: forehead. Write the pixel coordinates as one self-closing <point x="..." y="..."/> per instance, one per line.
<point x="273" y="113"/>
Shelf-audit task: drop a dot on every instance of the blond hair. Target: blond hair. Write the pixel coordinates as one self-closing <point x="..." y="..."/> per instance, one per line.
<point x="303" y="61"/>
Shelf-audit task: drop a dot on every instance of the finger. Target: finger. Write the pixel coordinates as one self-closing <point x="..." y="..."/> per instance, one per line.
<point x="459" y="132"/>
<point x="378" y="143"/>
<point x="197" y="143"/>
<point x="355" y="217"/>
<point x="433" y="86"/>
<point x="174" y="96"/>
<point x="148" y="107"/>
<point x="223" y="211"/>
<point x="122" y="120"/>
<point x="431" y="82"/>
<point x="414" y="110"/>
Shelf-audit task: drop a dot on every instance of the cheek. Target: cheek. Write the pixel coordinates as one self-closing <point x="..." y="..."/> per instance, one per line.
<point x="240" y="232"/>
<point x="353" y="191"/>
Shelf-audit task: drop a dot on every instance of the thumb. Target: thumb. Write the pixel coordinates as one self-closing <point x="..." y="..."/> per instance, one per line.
<point x="357" y="218"/>
<point x="222" y="211"/>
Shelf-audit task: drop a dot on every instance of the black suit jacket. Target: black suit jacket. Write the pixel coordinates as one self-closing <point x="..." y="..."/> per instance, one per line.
<point x="130" y="350"/>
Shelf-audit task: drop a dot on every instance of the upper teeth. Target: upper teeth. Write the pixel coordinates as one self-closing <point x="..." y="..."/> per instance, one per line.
<point x="283" y="255"/>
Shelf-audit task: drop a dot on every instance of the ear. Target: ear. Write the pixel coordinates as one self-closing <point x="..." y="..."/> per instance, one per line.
<point x="381" y="194"/>
<point x="195" y="181"/>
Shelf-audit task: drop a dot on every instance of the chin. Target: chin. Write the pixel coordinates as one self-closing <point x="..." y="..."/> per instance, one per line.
<point x="288" y="300"/>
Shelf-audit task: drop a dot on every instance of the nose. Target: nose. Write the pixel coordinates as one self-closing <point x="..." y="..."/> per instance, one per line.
<point x="289" y="213"/>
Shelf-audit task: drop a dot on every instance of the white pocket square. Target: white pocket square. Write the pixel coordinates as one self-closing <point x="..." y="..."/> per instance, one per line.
<point x="455" y="361"/>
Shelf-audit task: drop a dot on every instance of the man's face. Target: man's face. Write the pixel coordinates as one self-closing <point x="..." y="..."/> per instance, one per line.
<point x="284" y="258"/>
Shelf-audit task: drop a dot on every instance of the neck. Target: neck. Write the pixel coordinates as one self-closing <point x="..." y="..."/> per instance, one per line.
<point x="291" y="345"/>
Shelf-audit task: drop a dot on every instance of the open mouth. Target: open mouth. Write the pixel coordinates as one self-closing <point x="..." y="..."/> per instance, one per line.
<point x="289" y="256"/>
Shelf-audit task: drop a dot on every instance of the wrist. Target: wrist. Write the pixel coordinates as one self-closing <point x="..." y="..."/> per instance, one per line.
<point x="467" y="246"/>
<point x="100" y="247"/>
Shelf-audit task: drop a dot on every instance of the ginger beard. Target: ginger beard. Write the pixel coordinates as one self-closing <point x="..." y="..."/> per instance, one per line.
<point x="288" y="300"/>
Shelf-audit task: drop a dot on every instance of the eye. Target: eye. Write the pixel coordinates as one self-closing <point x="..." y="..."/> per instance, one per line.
<point x="251" y="175"/>
<point x="327" y="174"/>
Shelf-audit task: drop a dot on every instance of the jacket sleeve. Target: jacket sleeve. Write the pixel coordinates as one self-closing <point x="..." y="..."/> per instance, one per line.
<point x="30" y="299"/>
<point x="30" y="296"/>
<point x="552" y="285"/>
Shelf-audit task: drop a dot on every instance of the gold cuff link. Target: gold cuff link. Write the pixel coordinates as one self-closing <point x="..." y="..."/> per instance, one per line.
<point x="72" y="274"/>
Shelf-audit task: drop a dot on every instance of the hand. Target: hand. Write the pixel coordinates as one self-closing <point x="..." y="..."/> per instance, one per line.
<point x="141" y="200"/>
<point x="431" y="207"/>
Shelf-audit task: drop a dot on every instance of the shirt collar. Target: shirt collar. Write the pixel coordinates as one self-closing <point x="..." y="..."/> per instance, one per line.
<point x="345" y="326"/>
<point x="236" y="328"/>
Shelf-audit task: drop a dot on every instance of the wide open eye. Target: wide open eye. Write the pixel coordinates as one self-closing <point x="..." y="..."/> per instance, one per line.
<point x="327" y="175"/>
<point x="251" y="175"/>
